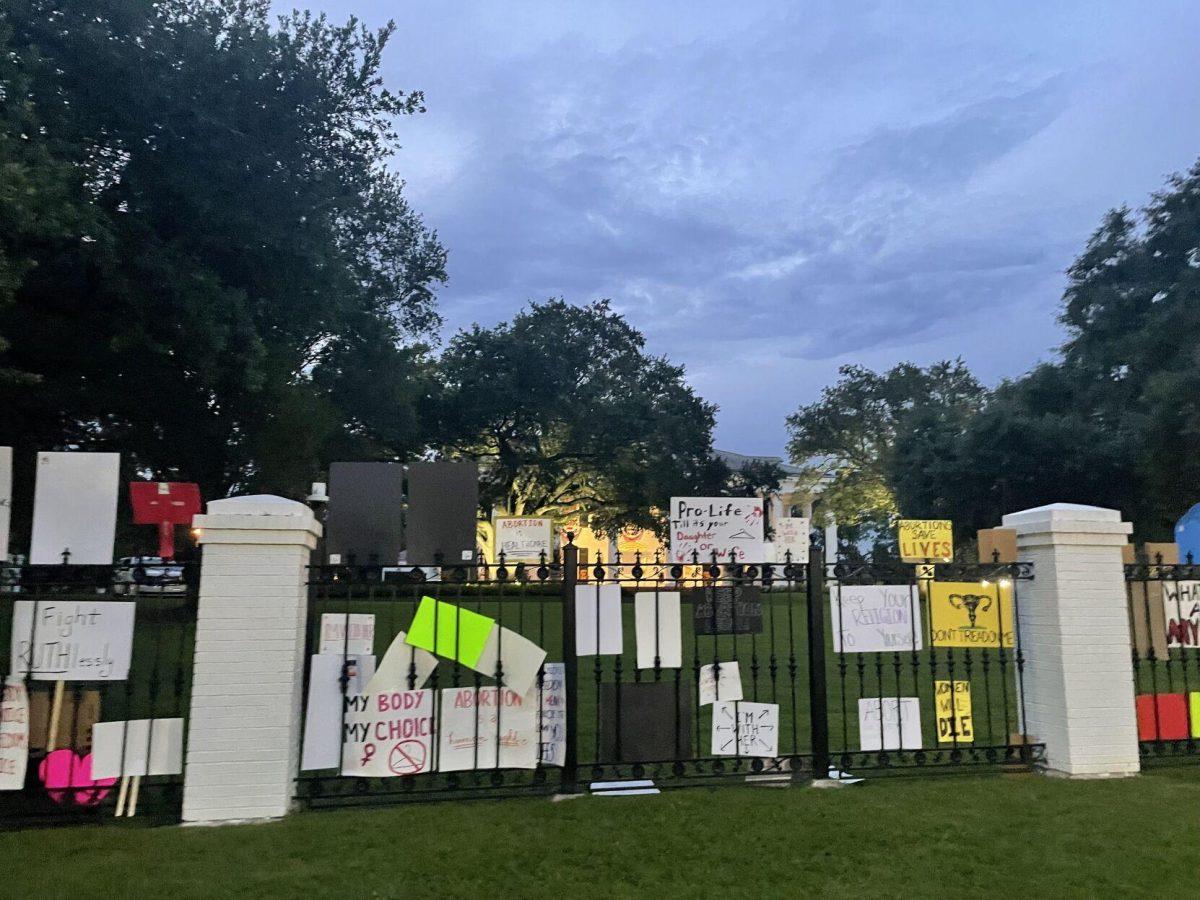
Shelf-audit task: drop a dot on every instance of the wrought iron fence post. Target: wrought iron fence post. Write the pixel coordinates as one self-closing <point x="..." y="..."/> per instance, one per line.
<point x="818" y="705"/>
<point x="570" y="563"/>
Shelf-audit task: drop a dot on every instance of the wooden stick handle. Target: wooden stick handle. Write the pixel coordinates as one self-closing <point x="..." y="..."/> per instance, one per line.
<point x="55" y="715"/>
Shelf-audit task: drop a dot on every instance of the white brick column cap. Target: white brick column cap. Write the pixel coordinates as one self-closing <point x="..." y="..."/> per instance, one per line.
<point x="272" y="520"/>
<point x="1068" y="523"/>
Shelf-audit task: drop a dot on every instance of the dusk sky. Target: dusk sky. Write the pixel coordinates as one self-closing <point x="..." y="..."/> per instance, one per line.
<point x="771" y="190"/>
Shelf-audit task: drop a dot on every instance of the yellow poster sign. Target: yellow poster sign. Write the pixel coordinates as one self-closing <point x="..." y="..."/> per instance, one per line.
<point x="952" y="705"/>
<point x="970" y="614"/>
<point x="923" y="540"/>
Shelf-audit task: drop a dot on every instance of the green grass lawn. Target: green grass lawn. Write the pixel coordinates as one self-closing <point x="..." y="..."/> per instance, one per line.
<point x="925" y="836"/>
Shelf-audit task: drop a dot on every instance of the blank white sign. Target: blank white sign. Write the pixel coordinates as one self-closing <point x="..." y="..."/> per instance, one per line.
<point x="137" y="747"/>
<point x="75" y="508"/>
<point x="598" y="620"/>
<point x="658" y="629"/>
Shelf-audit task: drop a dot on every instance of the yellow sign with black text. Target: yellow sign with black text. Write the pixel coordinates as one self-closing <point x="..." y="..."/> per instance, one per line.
<point x="970" y="613"/>
<point x="926" y="540"/>
<point x="952" y="704"/>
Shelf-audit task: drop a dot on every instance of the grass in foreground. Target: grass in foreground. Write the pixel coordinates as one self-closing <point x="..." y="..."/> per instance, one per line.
<point x="926" y="836"/>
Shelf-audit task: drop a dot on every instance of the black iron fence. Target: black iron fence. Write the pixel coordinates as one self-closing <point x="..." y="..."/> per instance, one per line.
<point x="90" y="652"/>
<point x="1164" y="619"/>
<point x="669" y="673"/>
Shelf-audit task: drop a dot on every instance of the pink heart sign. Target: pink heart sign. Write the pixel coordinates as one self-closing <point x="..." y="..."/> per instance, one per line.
<point x="66" y="775"/>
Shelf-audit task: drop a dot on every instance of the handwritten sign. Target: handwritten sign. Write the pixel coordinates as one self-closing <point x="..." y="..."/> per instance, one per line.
<point x="73" y="640"/>
<point x="553" y="715"/>
<point x="1181" y="608"/>
<point x="791" y="537"/>
<point x="889" y="723"/>
<point x="361" y="638"/>
<point x="523" y="539"/>
<point x="970" y="614"/>
<point x="740" y="728"/>
<point x="720" y="681"/>
<point x="388" y="734"/>
<point x="952" y="705"/>
<point x="926" y="539"/>
<point x="874" y="618"/>
<point x="730" y="527"/>
<point x="14" y="734"/>
<point x="727" y="610"/>
<point x="476" y="722"/>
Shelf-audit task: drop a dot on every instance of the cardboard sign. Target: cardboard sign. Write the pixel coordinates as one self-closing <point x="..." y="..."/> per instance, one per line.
<point x="553" y="714"/>
<point x="659" y="630"/>
<point x="997" y="545"/>
<point x="889" y="723"/>
<point x="645" y="722"/>
<point x="720" y="681"/>
<point x="387" y="735"/>
<point x="727" y="610"/>
<point x="970" y="614"/>
<point x="323" y="711"/>
<point x="952" y="706"/>
<point x="335" y="640"/>
<point x="1181" y="611"/>
<point x="449" y="631"/>
<point x="926" y="540"/>
<point x="1147" y="613"/>
<point x="14" y="734"/>
<point x="740" y="728"/>
<point x="523" y="539"/>
<point x="477" y="722"/>
<point x="5" y="499"/>
<point x="730" y="527"/>
<point x="875" y="618"/>
<point x="1162" y="717"/>
<point x="75" y="508"/>
<point x="792" y="536"/>
<point x="77" y="713"/>
<point x="69" y="640"/>
<point x="598" y="620"/>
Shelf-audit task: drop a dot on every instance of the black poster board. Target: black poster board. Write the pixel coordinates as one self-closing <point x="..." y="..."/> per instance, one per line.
<point x="727" y="609"/>
<point x="365" y="521"/>
<point x="654" y="719"/>
<point x="443" y="504"/>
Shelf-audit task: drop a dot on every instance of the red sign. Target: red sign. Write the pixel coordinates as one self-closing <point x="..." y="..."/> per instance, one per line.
<point x="164" y="501"/>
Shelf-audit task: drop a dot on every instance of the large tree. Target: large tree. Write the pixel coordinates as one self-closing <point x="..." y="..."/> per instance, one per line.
<point x="205" y="256"/>
<point x="568" y="414"/>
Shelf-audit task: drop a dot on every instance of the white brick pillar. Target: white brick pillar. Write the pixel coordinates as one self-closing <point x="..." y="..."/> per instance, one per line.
<point x="1074" y="632"/>
<point x="244" y="729"/>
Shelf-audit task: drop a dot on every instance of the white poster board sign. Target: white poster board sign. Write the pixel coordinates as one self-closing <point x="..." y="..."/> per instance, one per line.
<point x="1181" y="606"/>
<point x="791" y="536"/>
<point x="335" y="640"/>
<point x="659" y="629"/>
<point x="889" y="723"/>
<point x="554" y="714"/>
<point x="598" y="620"/>
<point x="740" y="728"/>
<point x="5" y="499"/>
<point x="323" y="711"/>
<point x="75" y="508"/>
<point x="137" y="747"/>
<point x="388" y="734"/>
<point x="476" y="722"/>
<point x="14" y="734"/>
<point x="515" y="656"/>
<point x="874" y="618"/>
<point x="731" y="527"/>
<point x="720" y="681"/>
<point x="73" y="640"/>
<point x="523" y="539"/>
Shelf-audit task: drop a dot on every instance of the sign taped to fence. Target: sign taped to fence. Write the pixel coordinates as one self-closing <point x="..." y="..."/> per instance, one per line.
<point x="1181" y="609"/>
<point x="740" y="728"/>
<point x="730" y="527"/>
<point x="475" y="722"/>
<point x="889" y="723"/>
<point x="554" y="714"/>
<point x="450" y="631"/>
<point x="952" y="704"/>
<point x="925" y="540"/>
<point x="874" y="618"/>
<point x="388" y="734"/>
<point x="73" y="640"/>
<point x="720" y="681"/>
<point x="524" y="539"/>
<point x="598" y="620"/>
<point x="970" y="614"/>
<point x="14" y="734"/>
<point x="360" y="640"/>
<point x="659" y="629"/>
<point x="791" y="536"/>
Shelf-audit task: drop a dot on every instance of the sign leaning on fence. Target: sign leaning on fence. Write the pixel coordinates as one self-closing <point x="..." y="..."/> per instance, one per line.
<point x="72" y="640"/>
<point x="730" y="527"/>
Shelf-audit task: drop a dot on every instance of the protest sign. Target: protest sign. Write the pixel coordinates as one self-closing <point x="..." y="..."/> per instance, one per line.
<point x="645" y="721"/>
<point x="137" y="747"/>
<point x="970" y="614"/>
<point x="523" y="539"/>
<point x="323" y="711"/>
<point x="791" y="537"/>
<point x="997" y="545"/>
<point x="727" y="610"/>
<point x="730" y="527"/>
<point x="952" y="706"/>
<point x="404" y="668"/>
<point x="598" y="620"/>
<point x="720" y="681"/>
<point x="514" y="656"/>
<point x="14" y="734"/>
<point x="475" y="723"/>
<point x="889" y="723"/>
<point x="1181" y="610"/>
<point x="450" y="631"/>
<point x="1147" y="613"/>
<point x="75" y="508"/>
<point x="553" y="715"/>
<point x="1162" y="717"/>
<point x="388" y="734"/>
<point x="925" y="540"/>
<point x="874" y="618"/>
<point x="659" y="630"/>
<point x="66" y="640"/>
<point x="334" y="638"/>
<point x="740" y="728"/>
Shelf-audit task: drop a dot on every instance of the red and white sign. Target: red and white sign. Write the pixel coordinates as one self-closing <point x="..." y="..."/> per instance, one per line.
<point x="165" y="504"/>
<point x="730" y="527"/>
<point x="388" y="734"/>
